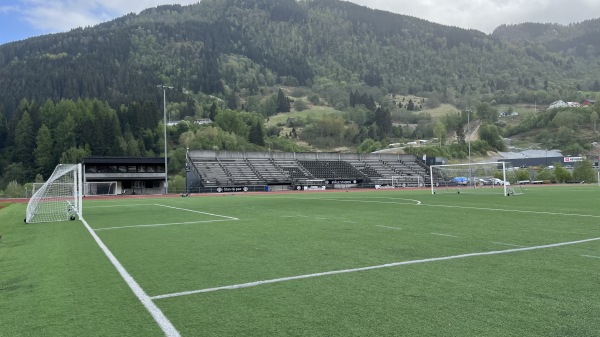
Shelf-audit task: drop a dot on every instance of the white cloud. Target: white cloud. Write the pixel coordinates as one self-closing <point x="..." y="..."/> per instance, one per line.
<point x="63" y="15"/>
<point x="483" y="15"/>
<point x="486" y="15"/>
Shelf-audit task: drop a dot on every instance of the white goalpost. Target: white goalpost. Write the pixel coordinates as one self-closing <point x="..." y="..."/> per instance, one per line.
<point x="100" y="188"/>
<point x="408" y="181"/>
<point x="59" y="198"/>
<point x="482" y="178"/>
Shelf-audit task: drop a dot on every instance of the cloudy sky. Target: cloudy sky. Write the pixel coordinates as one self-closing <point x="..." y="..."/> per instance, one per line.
<point x="20" y="19"/>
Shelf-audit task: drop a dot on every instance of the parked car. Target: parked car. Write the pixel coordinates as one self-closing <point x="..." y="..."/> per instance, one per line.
<point x="500" y="182"/>
<point x="460" y="180"/>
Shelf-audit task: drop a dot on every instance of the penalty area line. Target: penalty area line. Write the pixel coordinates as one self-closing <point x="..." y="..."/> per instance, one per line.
<point x="446" y="235"/>
<point x="387" y="265"/>
<point x="161" y="224"/>
<point x="388" y="227"/>
<point x="163" y="322"/>
<point x="193" y="211"/>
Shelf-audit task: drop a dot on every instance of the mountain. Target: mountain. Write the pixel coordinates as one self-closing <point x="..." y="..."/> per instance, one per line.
<point x="367" y="75"/>
<point x="293" y="43"/>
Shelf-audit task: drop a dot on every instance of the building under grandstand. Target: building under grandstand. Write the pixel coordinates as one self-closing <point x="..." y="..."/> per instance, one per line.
<point x="222" y="171"/>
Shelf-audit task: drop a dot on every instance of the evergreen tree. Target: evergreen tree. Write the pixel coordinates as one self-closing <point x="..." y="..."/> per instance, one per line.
<point x="257" y="134"/>
<point x="24" y="142"/>
<point x="283" y="103"/>
<point x="44" y="152"/>
<point x="3" y="129"/>
<point x="212" y="112"/>
<point x="64" y="136"/>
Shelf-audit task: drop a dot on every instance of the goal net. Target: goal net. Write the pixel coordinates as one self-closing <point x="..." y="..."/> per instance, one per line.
<point x="100" y="188"/>
<point x="482" y="178"/>
<point x="408" y="181"/>
<point x="59" y="198"/>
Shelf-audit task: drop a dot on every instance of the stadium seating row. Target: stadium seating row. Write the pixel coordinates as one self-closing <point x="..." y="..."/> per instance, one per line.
<point x="237" y="170"/>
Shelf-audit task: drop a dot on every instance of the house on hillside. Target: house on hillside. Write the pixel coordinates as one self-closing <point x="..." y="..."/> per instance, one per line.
<point x="588" y="102"/>
<point x="558" y="104"/>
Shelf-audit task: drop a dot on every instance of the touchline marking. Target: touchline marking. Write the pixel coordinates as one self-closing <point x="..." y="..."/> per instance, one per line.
<point x="414" y="202"/>
<point x="592" y="256"/>
<point x="191" y="210"/>
<point x="160" y="318"/>
<point x="448" y="235"/>
<point x="161" y="224"/>
<point x="507" y="244"/>
<point x="112" y="206"/>
<point x="388" y="265"/>
<point x="514" y="210"/>
<point x="388" y="227"/>
<point x="419" y="203"/>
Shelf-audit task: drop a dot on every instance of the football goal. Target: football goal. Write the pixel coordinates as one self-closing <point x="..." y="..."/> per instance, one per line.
<point x="59" y="198"/>
<point x="100" y="188"/>
<point x="482" y="178"/>
<point x="408" y="181"/>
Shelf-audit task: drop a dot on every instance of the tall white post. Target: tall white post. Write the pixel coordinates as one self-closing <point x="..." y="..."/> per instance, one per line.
<point x="469" y="140"/>
<point x="164" y="87"/>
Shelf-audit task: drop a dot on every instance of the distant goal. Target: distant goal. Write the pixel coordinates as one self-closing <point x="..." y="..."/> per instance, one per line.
<point x="59" y="198"/>
<point x="100" y="188"/>
<point x="481" y="178"/>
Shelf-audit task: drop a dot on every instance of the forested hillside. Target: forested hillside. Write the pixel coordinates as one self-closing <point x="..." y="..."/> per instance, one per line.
<point x="92" y="91"/>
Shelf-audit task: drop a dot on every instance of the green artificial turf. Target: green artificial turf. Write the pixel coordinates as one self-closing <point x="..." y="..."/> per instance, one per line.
<point x="56" y="281"/>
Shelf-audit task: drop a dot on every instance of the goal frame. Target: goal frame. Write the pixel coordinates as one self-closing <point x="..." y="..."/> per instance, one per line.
<point x="498" y="163"/>
<point x="73" y="200"/>
<point x="89" y="191"/>
<point x="400" y="181"/>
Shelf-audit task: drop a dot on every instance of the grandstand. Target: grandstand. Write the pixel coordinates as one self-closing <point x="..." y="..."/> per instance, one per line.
<point x="260" y="171"/>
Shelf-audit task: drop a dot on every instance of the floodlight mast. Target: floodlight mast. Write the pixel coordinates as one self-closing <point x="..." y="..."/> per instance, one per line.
<point x="165" y="87"/>
<point x="469" y="140"/>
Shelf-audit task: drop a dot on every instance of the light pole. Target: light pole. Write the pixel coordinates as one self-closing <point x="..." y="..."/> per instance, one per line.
<point x="469" y="139"/>
<point x="165" y="87"/>
<point x="187" y="170"/>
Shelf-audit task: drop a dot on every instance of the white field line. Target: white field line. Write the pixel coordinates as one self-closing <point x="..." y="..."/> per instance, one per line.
<point x="388" y="227"/>
<point x="419" y="203"/>
<point x="112" y="206"/>
<point x="413" y="201"/>
<point x="592" y="256"/>
<point x="160" y="318"/>
<point x="515" y="211"/>
<point x="507" y="244"/>
<point x="159" y="224"/>
<point x="388" y="265"/>
<point x="191" y="210"/>
<point x="447" y="235"/>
